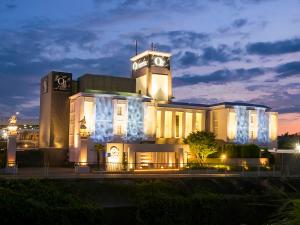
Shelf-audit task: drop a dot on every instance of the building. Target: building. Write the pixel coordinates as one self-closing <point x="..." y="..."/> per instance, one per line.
<point x="27" y="132"/>
<point x="136" y="118"/>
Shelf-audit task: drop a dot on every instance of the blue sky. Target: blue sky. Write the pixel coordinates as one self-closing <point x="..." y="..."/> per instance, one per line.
<point x="223" y="50"/>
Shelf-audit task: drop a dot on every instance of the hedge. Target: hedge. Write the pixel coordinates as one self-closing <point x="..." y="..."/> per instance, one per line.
<point x="242" y="151"/>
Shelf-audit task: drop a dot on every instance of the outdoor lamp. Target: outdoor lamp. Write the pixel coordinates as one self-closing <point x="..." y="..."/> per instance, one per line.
<point x="223" y="157"/>
<point x="298" y="147"/>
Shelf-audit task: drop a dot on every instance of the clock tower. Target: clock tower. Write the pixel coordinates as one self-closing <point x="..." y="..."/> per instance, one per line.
<point x="151" y="69"/>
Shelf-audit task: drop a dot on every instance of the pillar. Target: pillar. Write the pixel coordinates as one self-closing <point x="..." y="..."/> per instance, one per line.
<point x="82" y="166"/>
<point x="11" y="166"/>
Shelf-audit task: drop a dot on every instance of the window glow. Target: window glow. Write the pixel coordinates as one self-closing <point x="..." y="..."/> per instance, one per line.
<point x="160" y="87"/>
<point x="178" y="131"/>
<point x="188" y="123"/>
<point x="273" y="126"/>
<point x="253" y="125"/>
<point x="231" y="128"/>
<point x="158" y="122"/>
<point x="198" y="125"/>
<point x="168" y="124"/>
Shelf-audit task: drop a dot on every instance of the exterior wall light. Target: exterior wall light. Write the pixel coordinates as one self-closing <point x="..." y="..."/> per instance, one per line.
<point x="223" y="157"/>
<point x="297" y="147"/>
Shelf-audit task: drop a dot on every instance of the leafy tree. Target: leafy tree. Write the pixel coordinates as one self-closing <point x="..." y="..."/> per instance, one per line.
<point x="100" y="148"/>
<point x="202" y="144"/>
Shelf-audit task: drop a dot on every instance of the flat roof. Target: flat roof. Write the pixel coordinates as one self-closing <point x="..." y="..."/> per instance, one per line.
<point x="239" y="104"/>
<point x="105" y="75"/>
<point x="148" y="52"/>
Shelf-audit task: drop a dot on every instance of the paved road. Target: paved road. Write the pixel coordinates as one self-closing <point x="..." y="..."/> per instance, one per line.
<point x="69" y="173"/>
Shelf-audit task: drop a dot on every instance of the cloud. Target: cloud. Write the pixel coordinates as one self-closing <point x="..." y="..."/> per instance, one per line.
<point x="189" y="59"/>
<point x="238" y="23"/>
<point x="274" y="48"/>
<point x="288" y="69"/>
<point x="221" y="54"/>
<point x="183" y="39"/>
<point x="220" y="76"/>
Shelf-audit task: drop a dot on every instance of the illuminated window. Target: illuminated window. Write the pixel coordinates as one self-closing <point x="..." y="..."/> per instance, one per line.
<point x="273" y="127"/>
<point x="158" y="124"/>
<point x="119" y="110"/>
<point x="178" y="122"/>
<point x="188" y="123"/>
<point x="168" y="124"/>
<point x="199" y="121"/>
<point x="253" y="125"/>
<point x="159" y="90"/>
<point x="231" y="128"/>
<point x="119" y="129"/>
<point x="215" y="123"/>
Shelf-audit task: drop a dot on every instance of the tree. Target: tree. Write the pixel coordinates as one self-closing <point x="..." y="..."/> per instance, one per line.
<point x="202" y="144"/>
<point x="100" y="148"/>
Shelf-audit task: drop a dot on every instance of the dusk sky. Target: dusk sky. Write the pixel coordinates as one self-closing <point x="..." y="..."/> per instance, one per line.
<point x="234" y="50"/>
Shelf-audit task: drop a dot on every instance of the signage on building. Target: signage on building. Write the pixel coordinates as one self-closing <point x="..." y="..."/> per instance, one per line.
<point x="62" y="82"/>
<point x="140" y="63"/>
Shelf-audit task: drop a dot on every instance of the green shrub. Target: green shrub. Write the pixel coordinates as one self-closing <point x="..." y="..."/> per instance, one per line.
<point x="242" y="151"/>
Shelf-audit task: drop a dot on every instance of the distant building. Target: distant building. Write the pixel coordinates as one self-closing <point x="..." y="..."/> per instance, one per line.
<point x="136" y="118"/>
<point x="27" y="133"/>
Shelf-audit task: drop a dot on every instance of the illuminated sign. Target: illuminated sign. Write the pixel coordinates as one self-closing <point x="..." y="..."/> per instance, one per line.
<point x="114" y="155"/>
<point x="138" y="65"/>
<point x="62" y="82"/>
<point x="159" y="61"/>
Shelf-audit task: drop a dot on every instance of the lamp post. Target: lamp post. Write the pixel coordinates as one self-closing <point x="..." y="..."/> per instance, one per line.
<point x="82" y="166"/>
<point x="11" y="166"/>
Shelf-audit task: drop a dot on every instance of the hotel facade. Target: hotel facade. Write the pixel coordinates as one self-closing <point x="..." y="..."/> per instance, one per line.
<point x="137" y="119"/>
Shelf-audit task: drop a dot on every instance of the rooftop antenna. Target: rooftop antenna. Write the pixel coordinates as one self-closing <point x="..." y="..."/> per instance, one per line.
<point x="136" y="47"/>
<point x="152" y="46"/>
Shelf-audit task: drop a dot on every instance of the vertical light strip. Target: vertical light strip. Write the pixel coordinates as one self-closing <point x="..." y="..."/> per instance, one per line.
<point x="263" y="126"/>
<point x="242" y="129"/>
<point x="104" y="119"/>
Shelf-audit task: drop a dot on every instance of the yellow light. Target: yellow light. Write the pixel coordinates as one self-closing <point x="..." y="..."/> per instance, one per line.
<point x="26" y="145"/>
<point x="298" y="147"/>
<point x="223" y="157"/>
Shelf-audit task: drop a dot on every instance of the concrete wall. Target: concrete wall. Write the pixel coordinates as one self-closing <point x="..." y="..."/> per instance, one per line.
<point x="54" y="114"/>
<point x="106" y="83"/>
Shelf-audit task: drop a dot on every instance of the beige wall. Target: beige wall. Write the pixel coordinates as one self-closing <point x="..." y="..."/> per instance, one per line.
<point x="166" y="123"/>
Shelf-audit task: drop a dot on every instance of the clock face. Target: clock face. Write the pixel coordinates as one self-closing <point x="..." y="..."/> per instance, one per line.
<point x="62" y="82"/>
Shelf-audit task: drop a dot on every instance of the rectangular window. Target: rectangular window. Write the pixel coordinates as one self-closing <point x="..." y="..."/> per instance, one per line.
<point x="158" y="124"/>
<point x="119" y="110"/>
<point x="168" y="124"/>
<point x="178" y="125"/>
<point x="199" y="121"/>
<point x="119" y="129"/>
<point x="188" y="123"/>
<point x="215" y="124"/>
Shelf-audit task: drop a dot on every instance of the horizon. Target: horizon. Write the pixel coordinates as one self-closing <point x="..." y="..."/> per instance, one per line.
<point x="222" y="51"/>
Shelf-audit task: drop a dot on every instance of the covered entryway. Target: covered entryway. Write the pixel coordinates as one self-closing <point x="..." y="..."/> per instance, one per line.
<point x="145" y="156"/>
